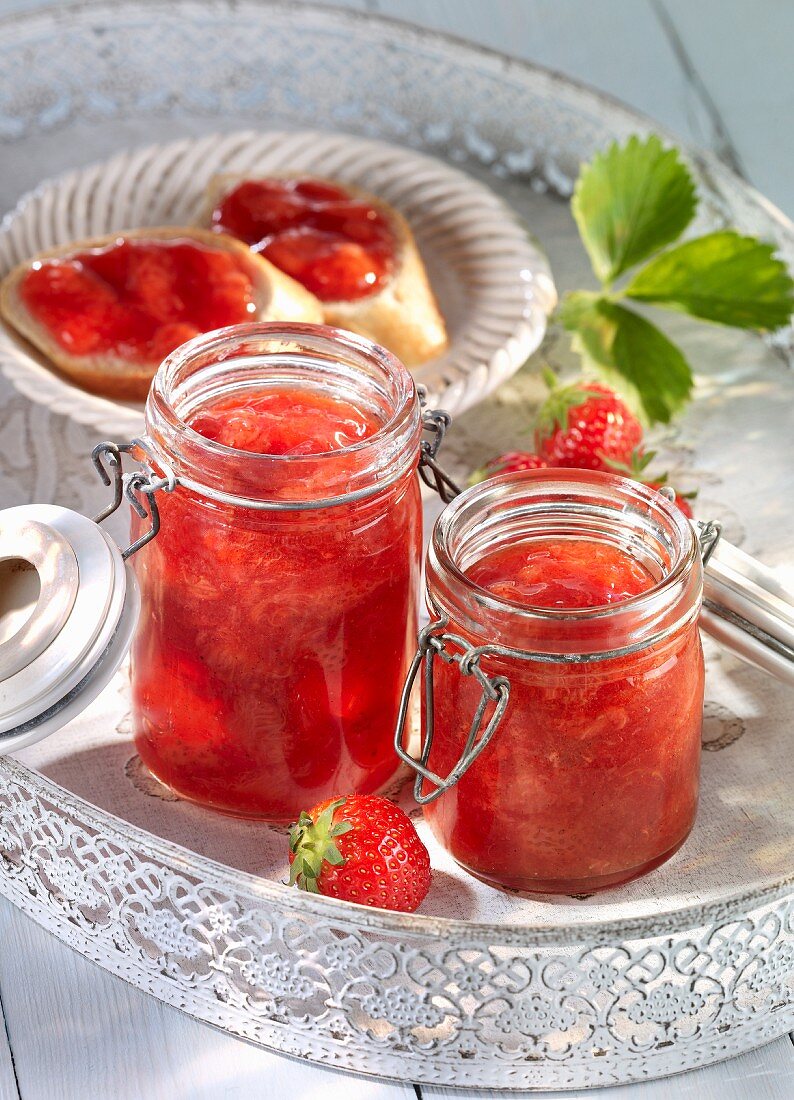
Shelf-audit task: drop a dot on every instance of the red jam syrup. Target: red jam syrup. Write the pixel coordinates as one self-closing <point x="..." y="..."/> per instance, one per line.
<point x="136" y="299"/>
<point x="267" y="675"/>
<point x="339" y="247"/>
<point x="592" y="777"/>
<point x="562" y="574"/>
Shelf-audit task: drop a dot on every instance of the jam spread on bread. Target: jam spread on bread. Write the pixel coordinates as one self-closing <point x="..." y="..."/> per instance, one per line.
<point x="138" y="299"/>
<point x="339" y="247"/>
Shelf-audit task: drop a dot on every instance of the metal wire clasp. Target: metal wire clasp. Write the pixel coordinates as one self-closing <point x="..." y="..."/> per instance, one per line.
<point x="141" y="483"/>
<point x="709" y="533"/>
<point x="433" y="641"/>
<point x="435" y="422"/>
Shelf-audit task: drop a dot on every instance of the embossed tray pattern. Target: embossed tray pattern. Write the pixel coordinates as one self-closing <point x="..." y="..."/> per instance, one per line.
<point x="691" y="965"/>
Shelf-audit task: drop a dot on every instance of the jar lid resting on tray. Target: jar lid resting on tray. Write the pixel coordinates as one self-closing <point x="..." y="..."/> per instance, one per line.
<point x="68" y="608"/>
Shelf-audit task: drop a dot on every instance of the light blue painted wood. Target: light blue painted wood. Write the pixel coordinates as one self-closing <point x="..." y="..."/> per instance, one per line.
<point x="717" y="72"/>
<point x="8" y="1080"/>
<point x="741" y="51"/>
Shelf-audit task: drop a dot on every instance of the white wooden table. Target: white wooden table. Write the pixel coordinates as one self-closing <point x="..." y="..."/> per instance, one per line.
<point x="717" y="73"/>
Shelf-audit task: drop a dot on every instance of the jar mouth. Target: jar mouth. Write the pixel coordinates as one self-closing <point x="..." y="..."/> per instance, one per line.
<point x="261" y="355"/>
<point x="568" y="504"/>
<point x="169" y="377"/>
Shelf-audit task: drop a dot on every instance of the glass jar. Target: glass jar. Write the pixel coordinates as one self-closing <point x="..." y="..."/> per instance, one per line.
<point x="580" y="768"/>
<point x="279" y="596"/>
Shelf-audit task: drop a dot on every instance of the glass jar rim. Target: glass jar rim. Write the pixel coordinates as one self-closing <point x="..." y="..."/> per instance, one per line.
<point x="168" y="430"/>
<point x="217" y="337"/>
<point x="479" y="499"/>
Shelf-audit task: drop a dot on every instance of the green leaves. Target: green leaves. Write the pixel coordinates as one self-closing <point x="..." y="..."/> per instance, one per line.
<point x="630" y="353"/>
<point x="721" y="277"/>
<point x="629" y="202"/>
<point x="313" y="844"/>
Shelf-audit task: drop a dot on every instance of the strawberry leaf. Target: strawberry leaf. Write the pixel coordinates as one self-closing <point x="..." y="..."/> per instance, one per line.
<point x="721" y="277"/>
<point x="313" y="845"/>
<point x="630" y="354"/>
<point x="629" y="202"/>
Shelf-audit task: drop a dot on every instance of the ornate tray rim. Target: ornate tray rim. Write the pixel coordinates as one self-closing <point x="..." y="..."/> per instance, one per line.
<point x="743" y="1029"/>
<point x="498" y="59"/>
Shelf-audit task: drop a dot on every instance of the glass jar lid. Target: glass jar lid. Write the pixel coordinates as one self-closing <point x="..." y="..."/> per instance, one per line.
<point x="68" y="608"/>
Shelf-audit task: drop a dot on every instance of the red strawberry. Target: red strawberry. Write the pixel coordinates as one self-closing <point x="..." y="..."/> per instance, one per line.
<point x="636" y="468"/>
<point x="360" y="848"/>
<point x="585" y="425"/>
<point x="507" y="463"/>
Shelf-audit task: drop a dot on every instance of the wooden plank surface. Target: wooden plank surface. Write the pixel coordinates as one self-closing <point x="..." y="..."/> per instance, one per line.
<point x="9" y="1088"/>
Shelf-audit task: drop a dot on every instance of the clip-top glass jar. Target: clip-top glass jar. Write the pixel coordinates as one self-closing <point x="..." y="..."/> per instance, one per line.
<point x="567" y="735"/>
<point x="279" y="597"/>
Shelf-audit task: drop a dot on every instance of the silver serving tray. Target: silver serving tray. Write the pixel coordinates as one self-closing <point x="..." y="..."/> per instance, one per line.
<point x="690" y="965"/>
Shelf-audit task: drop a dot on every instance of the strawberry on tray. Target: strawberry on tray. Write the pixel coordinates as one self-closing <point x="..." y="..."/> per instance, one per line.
<point x="361" y="848"/>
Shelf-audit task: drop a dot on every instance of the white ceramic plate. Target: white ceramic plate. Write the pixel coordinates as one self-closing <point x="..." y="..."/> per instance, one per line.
<point x="492" y="282"/>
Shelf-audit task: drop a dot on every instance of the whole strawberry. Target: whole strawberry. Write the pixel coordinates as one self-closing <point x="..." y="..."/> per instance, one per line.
<point x="508" y="463"/>
<point x="361" y="848"/>
<point x="586" y="426"/>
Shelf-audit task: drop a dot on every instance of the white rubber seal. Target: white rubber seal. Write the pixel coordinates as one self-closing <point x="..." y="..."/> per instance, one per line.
<point x="57" y="656"/>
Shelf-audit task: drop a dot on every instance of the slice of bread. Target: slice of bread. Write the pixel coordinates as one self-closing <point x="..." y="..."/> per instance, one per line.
<point x="277" y="297"/>
<point x="403" y="316"/>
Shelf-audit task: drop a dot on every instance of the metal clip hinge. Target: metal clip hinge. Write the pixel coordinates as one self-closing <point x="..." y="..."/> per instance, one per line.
<point x="140" y="483"/>
<point x="435" y="422"/>
<point x="495" y="691"/>
<point x="709" y="534"/>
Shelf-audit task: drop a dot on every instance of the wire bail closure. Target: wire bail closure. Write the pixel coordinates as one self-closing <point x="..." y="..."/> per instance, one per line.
<point x="435" y="422"/>
<point x="433" y="642"/>
<point x="142" y="483"/>
<point x="709" y="533"/>
<point x="145" y="482"/>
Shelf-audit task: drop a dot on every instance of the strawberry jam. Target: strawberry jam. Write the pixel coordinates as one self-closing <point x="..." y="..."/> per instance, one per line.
<point x="561" y="573"/>
<point x="591" y="777"/>
<point x="339" y="247"/>
<point x="138" y="299"/>
<point x="285" y="422"/>
<point x="274" y="639"/>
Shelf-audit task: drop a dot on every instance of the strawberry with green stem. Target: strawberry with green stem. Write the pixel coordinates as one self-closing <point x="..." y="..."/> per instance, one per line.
<point x="585" y="425"/>
<point x="360" y="848"/>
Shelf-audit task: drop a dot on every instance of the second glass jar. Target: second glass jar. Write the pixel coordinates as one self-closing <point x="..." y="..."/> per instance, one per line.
<point x="279" y="597"/>
<point x="590" y="777"/>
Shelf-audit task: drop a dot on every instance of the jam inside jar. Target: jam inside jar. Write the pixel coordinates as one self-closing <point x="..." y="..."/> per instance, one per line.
<point x="279" y="596"/>
<point x="585" y="589"/>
